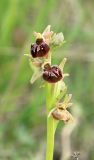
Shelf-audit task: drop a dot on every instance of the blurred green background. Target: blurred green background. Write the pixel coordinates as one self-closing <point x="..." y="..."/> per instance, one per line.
<point x="22" y="105"/>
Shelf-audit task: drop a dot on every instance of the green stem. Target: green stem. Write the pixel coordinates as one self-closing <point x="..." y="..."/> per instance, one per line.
<point x="51" y="93"/>
<point x="50" y="138"/>
<point x="51" y="124"/>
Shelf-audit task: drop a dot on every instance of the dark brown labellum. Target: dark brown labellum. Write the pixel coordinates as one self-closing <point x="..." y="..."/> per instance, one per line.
<point x="39" y="49"/>
<point x="52" y="74"/>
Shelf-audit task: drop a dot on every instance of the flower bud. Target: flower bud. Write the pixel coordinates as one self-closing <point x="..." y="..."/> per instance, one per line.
<point x="57" y="39"/>
<point x="60" y="114"/>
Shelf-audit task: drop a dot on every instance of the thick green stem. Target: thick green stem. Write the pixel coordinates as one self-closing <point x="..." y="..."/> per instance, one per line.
<point x="50" y="138"/>
<point x="51" y="124"/>
<point x="52" y="92"/>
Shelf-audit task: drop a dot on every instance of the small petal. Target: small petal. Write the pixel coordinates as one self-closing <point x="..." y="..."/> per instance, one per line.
<point x="47" y="29"/>
<point x="66" y="102"/>
<point x="38" y="35"/>
<point x="27" y="55"/>
<point x="62" y="93"/>
<point x="69" y="105"/>
<point x="62" y="64"/>
<point x="47" y="34"/>
<point x="35" y="64"/>
<point x="35" y="76"/>
<point x="68" y="117"/>
<point x="65" y="75"/>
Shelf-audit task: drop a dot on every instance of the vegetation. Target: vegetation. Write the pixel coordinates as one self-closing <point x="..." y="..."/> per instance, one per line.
<point x="22" y="110"/>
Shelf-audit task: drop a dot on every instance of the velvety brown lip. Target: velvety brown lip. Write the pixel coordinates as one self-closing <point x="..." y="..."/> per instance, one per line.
<point x="52" y="74"/>
<point x="39" y="49"/>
